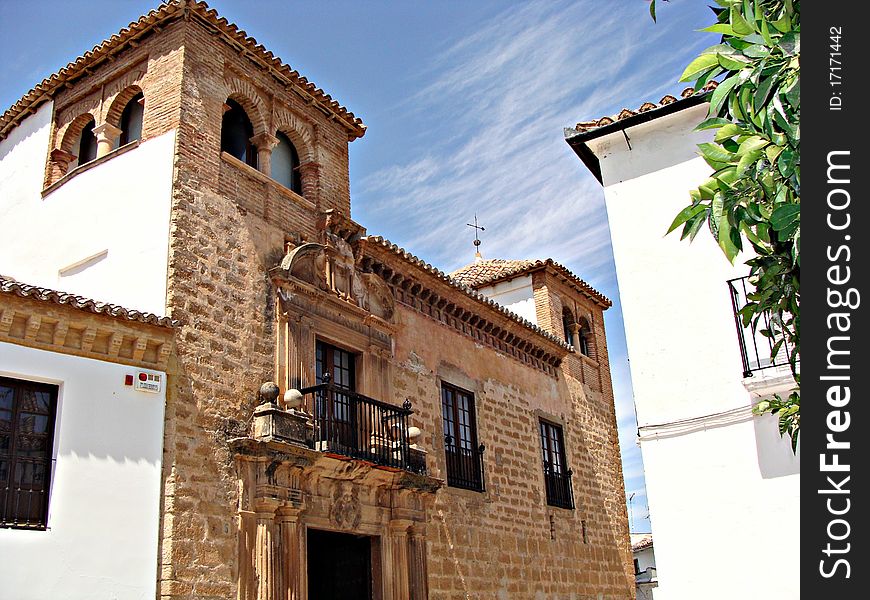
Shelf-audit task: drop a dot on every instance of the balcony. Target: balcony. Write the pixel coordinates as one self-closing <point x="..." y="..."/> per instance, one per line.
<point x="350" y="424"/>
<point x="560" y="493"/>
<point x="464" y="465"/>
<point x="756" y="349"/>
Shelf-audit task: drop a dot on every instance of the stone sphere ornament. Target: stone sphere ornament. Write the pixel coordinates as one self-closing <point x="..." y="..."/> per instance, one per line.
<point x="414" y="434"/>
<point x="293" y="399"/>
<point x="269" y="393"/>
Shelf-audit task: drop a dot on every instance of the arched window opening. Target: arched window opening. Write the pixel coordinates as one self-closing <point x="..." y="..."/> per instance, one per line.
<point x="236" y="133"/>
<point x="567" y="322"/>
<point x="87" y="144"/>
<point x="584" y="334"/>
<point x="131" y="120"/>
<point x="285" y="164"/>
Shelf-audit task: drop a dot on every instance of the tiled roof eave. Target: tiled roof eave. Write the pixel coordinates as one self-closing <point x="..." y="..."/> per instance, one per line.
<point x="41" y="294"/>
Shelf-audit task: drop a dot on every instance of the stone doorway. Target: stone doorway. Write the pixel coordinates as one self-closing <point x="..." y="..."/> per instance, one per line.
<point x="339" y="566"/>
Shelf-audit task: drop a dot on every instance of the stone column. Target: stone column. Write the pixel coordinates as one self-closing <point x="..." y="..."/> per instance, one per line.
<point x="292" y="546"/>
<point x="247" y="536"/>
<point x="264" y="553"/>
<point x="264" y="142"/>
<point x="397" y="568"/>
<point x="106" y="135"/>
<point x="574" y="328"/>
<point x="418" y="577"/>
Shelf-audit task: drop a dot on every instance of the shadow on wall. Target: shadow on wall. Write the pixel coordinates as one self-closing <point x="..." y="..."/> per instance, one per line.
<point x="775" y="458"/>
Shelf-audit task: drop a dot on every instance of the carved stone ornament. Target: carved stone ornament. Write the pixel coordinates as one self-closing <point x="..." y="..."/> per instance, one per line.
<point x="346" y="511"/>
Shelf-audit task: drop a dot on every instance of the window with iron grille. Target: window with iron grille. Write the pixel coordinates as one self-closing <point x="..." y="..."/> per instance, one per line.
<point x="27" y="411"/>
<point x="557" y="476"/>
<point x="464" y="456"/>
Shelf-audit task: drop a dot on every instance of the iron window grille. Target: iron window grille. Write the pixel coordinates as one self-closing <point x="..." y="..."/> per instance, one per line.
<point x="464" y="456"/>
<point x="757" y="347"/>
<point x="557" y="477"/>
<point x="27" y="415"/>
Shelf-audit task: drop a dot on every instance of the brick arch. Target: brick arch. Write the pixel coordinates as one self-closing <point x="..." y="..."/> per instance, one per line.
<point x="70" y="135"/>
<point x="247" y="96"/>
<point x="299" y="133"/>
<point x="116" y="109"/>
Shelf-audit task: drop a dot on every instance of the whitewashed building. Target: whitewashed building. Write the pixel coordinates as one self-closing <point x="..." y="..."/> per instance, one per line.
<point x="82" y="399"/>
<point x="709" y="463"/>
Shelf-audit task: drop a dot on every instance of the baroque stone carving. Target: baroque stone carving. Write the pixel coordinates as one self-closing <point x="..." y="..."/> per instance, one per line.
<point x="346" y="511"/>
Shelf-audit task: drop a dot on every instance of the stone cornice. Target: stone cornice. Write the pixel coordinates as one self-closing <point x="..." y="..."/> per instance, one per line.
<point x="27" y="321"/>
<point x="429" y="291"/>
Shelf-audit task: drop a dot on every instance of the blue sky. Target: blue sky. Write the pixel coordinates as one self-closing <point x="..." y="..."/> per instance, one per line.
<point x="465" y="103"/>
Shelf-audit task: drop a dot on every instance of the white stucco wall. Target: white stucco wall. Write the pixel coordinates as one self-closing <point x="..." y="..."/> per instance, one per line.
<point x="645" y="558"/>
<point x="101" y="540"/>
<point x="712" y="482"/>
<point x="116" y="214"/>
<point x="516" y="295"/>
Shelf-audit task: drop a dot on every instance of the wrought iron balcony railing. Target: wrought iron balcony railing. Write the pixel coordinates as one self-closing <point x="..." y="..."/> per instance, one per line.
<point x="756" y="348"/>
<point x="560" y="493"/>
<point x="464" y="465"/>
<point x="354" y="425"/>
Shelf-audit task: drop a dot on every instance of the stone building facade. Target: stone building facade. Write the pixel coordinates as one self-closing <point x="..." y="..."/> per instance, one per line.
<point x="457" y="450"/>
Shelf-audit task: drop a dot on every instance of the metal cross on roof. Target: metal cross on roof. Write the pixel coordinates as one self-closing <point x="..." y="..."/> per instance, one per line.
<point x="476" y="239"/>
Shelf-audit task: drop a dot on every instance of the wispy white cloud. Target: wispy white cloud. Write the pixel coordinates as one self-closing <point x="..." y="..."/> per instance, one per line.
<point x="489" y="116"/>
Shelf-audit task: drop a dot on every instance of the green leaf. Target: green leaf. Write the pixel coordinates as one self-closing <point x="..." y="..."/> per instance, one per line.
<point x="756" y="51"/>
<point x="735" y="62"/>
<point x="752" y="143"/>
<point x="747" y="160"/>
<point x="699" y="66"/>
<point x="793" y="94"/>
<point x="722" y="28"/>
<point x="772" y="152"/>
<point x="726" y="241"/>
<point x="728" y="131"/>
<point x="686" y="214"/>
<point x="738" y="23"/>
<point x="782" y="24"/>
<point x="720" y="94"/>
<point x="784" y="216"/>
<point x="762" y="93"/>
<point x="716" y="153"/>
<point x="790" y="43"/>
<point x="652" y="10"/>
<point x="712" y="123"/>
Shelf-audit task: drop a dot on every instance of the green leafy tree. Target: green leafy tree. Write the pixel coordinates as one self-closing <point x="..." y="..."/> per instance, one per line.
<point x="753" y="195"/>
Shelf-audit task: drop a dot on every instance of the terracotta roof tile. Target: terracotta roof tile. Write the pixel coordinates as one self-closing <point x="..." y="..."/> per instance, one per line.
<point x="625" y="113"/>
<point x="22" y="290"/>
<point x="167" y="11"/>
<point x="485" y="272"/>
<point x="641" y="541"/>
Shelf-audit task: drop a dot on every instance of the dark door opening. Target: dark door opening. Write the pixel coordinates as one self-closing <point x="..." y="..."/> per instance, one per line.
<point x="339" y="566"/>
